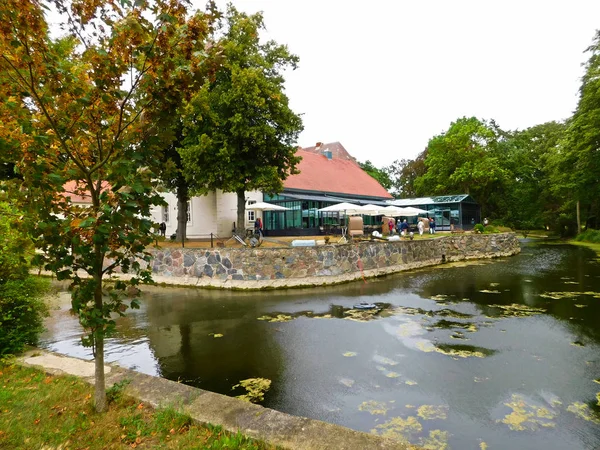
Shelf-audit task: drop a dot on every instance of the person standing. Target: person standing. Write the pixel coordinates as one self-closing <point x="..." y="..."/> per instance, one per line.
<point x="258" y="227"/>
<point x="404" y="227"/>
<point x="432" y="225"/>
<point x="391" y="226"/>
<point x="420" y="226"/>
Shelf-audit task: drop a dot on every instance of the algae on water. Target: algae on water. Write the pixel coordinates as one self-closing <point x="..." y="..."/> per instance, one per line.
<point x="255" y="389"/>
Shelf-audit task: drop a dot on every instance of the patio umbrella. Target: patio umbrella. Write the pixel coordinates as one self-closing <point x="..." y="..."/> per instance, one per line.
<point x="392" y="211"/>
<point x="346" y="208"/>
<point x="262" y="206"/>
<point x="372" y="210"/>
<point x="412" y="211"/>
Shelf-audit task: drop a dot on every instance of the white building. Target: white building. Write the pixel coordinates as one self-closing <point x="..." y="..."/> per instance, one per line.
<point x="212" y="213"/>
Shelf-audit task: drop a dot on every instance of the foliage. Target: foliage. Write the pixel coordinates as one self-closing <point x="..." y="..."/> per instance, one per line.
<point x="464" y="159"/>
<point x="240" y="125"/>
<point x="115" y="392"/>
<point x="404" y="173"/>
<point x="379" y="174"/>
<point x="80" y="128"/>
<point x="48" y="411"/>
<point x="478" y="228"/>
<point x="22" y="312"/>
<point x="589" y="236"/>
<point x="15" y="247"/>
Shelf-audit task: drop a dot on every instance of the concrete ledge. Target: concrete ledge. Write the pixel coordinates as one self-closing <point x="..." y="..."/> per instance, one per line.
<point x="206" y="407"/>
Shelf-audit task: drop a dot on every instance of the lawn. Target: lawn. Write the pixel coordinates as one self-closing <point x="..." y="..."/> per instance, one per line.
<point x="39" y="411"/>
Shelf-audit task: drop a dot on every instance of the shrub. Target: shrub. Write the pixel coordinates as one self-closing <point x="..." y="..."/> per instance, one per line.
<point x="491" y="229"/>
<point x="589" y="236"/>
<point x="22" y="311"/>
<point x="478" y="228"/>
<point x="14" y="244"/>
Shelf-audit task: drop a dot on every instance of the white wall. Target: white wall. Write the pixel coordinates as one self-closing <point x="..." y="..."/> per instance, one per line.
<point x="211" y="213"/>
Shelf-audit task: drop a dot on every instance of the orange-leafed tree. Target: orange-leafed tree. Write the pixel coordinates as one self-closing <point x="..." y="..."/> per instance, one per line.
<point x="74" y="111"/>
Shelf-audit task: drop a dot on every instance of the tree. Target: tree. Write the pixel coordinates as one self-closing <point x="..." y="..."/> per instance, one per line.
<point x="78" y="119"/>
<point x="239" y="129"/>
<point x="578" y="163"/>
<point x="379" y="174"/>
<point x="464" y="159"/>
<point x="531" y="198"/>
<point x="403" y="174"/>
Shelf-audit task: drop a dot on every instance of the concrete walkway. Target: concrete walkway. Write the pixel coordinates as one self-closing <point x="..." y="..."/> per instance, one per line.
<point x="274" y="427"/>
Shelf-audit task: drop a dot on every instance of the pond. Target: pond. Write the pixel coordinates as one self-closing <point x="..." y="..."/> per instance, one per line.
<point x="488" y="354"/>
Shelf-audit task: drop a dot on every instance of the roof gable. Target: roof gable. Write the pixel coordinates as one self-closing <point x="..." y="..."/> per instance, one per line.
<point x="335" y="176"/>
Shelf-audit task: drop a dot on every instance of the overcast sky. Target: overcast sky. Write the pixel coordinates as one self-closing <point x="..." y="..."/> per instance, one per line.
<point x="383" y="77"/>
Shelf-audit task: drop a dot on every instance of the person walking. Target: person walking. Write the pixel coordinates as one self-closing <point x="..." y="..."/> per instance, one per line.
<point x="432" y="226"/>
<point x="258" y="227"/>
<point x="404" y="228"/>
<point x="420" y="227"/>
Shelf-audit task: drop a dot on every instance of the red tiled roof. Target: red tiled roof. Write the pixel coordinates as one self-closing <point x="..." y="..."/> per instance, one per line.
<point x="77" y="193"/>
<point x="333" y="176"/>
<point x="336" y="148"/>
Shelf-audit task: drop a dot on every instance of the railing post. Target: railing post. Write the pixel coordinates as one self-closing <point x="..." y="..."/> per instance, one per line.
<point x="211" y="240"/>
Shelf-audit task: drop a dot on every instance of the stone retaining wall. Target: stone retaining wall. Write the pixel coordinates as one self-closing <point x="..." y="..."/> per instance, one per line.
<point x="261" y="268"/>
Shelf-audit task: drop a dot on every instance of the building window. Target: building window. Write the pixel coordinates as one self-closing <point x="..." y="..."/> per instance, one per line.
<point x="165" y="214"/>
<point x="251" y="214"/>
<point x="189" y="212"/>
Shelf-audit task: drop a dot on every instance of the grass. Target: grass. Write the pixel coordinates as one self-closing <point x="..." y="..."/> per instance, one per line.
<point x="38" y="411"/>
<point x="592" y="245"/>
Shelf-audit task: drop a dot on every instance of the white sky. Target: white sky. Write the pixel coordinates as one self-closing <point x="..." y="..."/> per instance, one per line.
<point x="383" y="77"/>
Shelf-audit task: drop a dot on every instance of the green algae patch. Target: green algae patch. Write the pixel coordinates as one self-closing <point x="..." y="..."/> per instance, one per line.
<point x="584" y="412"/>
<point x="216" y="335"/>
<point x="488" y="291"/>
<point x="517" y="310"/>
<point x="444" y="324"/>
<point x="464" y="351"/>
<point x="597" y="380"/>
<point x="410" y="383"/>
<point x="277" y="318"/>
<point x="399" y="429"/>
<point x="255" y="389"/>
<point x="483" y="445"/>
<point x="374" y="408"/>
<point x="384" y="360"/>
<point x="431" y="412"/>
<point x="347" y="382"/>
<point x="578" y="344"/>
<point x="437" y="440"/>
<point x="526" y="416"/>
<point x="361" y="315"/>
<point x="350" y="354"/>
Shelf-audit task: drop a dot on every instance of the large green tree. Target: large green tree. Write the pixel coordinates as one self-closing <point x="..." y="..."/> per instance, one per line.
<point x="380" y="175"/>
<point x="464" y="159"/>
<point x="75" y="106"/>
<point x="403" y="174"/>
<point x="239" y="129"/>
<point x="530" y="198"/>
<point x="578" y="164"/>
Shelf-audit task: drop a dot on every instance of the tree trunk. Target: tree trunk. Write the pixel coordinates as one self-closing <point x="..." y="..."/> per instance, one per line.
<point x="578" y="219"/>
<point x="99" y="382"/>
<point x="240" y="226"/>
<point x="182" y="204"/>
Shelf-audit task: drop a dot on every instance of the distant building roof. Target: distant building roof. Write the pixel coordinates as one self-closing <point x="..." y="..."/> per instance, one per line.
<point x="336" y="148"/>
<point x="338" y="175"/>
<point x="77" y="192"/>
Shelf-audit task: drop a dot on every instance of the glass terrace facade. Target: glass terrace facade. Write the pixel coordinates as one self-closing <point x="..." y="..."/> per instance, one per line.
<point x="304" y="218"/>
<point x="460" y="211"/>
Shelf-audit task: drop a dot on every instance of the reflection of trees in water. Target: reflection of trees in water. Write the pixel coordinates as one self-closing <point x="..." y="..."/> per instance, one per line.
<point x="552" y="272"/>
<point x="180" y="334"/>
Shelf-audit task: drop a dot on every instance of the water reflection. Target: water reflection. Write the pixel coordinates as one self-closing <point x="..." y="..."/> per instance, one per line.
<point x="507" y="349"/>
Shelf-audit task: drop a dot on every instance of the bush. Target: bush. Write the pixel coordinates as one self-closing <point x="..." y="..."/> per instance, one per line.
<point x="491" y="229"/>
<point x="589" y="236"/>
<point x="14" y="244"/>
<point x="478" y="228"/>
<point x="22" y="311"/>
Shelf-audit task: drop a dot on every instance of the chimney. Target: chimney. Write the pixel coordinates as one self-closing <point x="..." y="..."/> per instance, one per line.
<point x="318" y="146"/>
